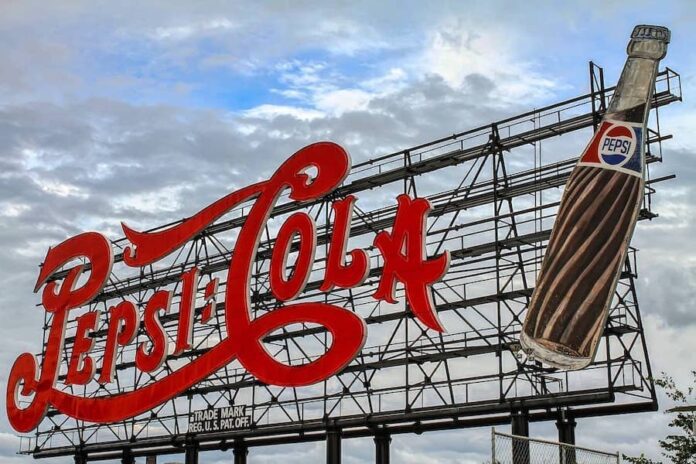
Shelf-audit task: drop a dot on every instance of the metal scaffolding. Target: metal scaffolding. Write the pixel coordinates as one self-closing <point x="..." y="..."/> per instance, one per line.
<point x="494" y="199"/>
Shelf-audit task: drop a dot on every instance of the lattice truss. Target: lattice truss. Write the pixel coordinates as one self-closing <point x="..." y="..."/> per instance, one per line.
<point x="494" y="194"/>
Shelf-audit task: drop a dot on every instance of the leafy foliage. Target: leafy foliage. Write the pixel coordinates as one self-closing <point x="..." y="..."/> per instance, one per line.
<point x="679" y="448"/>
<point x="639" y="460"/>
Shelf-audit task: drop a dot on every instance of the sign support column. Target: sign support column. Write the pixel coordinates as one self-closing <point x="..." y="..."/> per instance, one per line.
<point x="240" y="452"/>
<point x="382" y="441"/>
<point x="333" y="446"/>
<point x="520" y="447"/>
<point x="127" y="457"/>
<point x="191" y="456"/>
<point x="566" y="427"/>
<point x="80" y="458"/>
<point x="566" y="434"/>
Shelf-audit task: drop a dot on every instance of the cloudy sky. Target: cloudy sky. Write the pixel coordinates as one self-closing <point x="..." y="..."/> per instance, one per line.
<point x="147" y="111"/>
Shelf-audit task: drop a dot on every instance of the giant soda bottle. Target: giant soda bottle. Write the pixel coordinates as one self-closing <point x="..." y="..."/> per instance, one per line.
<point x="596" y="218"/>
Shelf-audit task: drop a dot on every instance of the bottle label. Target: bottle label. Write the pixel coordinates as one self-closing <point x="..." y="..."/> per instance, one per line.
<point x="617" y="145"/>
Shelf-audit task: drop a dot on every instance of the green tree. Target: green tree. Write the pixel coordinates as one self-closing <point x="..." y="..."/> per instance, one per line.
<point x="639" y="460"/>
<point x="679" y="448"/>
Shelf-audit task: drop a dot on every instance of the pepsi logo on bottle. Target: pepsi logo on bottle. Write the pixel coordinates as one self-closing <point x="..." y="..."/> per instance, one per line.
<point x="616" y="145"/>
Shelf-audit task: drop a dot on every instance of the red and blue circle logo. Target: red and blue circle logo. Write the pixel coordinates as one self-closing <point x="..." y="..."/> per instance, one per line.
<point x="618" y="145"/>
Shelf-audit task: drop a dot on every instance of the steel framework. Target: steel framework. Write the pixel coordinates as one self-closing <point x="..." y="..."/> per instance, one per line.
<point x="494" y="195"/>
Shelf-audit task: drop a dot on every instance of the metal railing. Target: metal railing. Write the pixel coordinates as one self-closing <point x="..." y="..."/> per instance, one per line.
<point x="516" y="449"/>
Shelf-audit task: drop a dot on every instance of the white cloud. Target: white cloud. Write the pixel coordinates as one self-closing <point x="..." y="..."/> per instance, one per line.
<point x="61" y="189"/>
<point x="298" y="73"/>
<point x="187" y="31"/>
<point x="394" y="79"/>
<point x="457" y="50"/>
<point x="9" y="209"/>
<point x="343" y="36"/>
<point x="342" y="100"/>
<point x="166" y="199"/>
<point x="272" y="111"/>
<point x="330" y="93"/>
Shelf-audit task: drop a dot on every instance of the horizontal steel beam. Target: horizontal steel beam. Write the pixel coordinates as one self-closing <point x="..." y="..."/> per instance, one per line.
<point x="445" y="160"/>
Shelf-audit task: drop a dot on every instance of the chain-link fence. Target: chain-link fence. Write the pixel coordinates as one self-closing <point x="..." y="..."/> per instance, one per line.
<point x="514" y="449"/>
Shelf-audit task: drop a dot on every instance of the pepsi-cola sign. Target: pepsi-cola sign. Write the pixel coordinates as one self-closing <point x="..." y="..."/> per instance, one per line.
<point x="31" y="387"/>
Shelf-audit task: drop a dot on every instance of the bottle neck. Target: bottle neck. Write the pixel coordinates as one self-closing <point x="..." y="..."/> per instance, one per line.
<point x="631" y="98"/>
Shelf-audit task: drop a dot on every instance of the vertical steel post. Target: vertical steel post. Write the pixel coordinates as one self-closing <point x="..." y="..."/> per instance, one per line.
<point x="240" y="452"/>
<point x="191" y="456"/>
<point x="566" y="427"/>
<point x="333" y="446"/>
<point x="494" y="144"/>
<point x="595" y="117"/>
<point x="520" y="447"/>
<point x="382" y="441"/>
<point x="566" y="435"/>
<point x="127" y="457"/>
<point x="493" y="461"/>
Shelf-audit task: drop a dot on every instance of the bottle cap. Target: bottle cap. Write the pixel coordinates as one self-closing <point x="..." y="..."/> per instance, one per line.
<point x="648" y="42"/>
<point x="645" y="31"/>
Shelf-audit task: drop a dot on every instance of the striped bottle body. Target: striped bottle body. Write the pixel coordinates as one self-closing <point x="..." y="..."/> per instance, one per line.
<point x="568" y="312"/>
